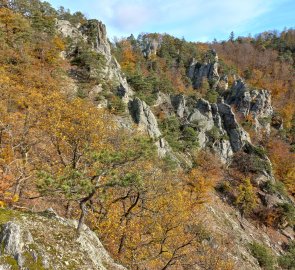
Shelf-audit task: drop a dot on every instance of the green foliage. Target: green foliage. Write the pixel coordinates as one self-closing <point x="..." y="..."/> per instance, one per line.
<point x="287" y="213"/>
<point x="257" y="164"/>
<point x="256" y="159"/>
<point x="41" y="14"/>
<point x="287" y="261"/>
<point x="145" y="87"/>
<point x="74" y="19"/>
<point x="276" y="187"/>
<point x="81" y="93"/>
<point x="90" y="62"/>
<point x="189" y="137"/>
<point x="116" y="105"/>
<point x="212" y="96"/>
<point x="179" y="138"/>
<point x="264" y="255"/>
<point x="224" y="187"/>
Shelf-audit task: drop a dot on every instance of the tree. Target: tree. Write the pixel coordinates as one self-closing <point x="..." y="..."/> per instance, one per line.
<point x="231" y="37"/>
<point x="246" y="199"/>
<point x="85" y="153"/>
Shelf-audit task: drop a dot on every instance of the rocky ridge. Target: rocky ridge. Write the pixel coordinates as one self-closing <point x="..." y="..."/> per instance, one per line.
<point x="216" y="124"/>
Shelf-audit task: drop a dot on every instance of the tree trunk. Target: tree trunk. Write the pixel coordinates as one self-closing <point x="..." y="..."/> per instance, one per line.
<point x="82" y="216"/>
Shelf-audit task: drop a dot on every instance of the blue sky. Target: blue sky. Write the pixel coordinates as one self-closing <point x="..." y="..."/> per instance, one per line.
<point x="195" y="20"/>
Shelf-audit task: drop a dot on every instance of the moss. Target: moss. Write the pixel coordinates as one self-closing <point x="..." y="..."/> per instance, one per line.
<point x="33" y="264"/>
<point x="6" y="215"/>
<point x="9" y="260"/>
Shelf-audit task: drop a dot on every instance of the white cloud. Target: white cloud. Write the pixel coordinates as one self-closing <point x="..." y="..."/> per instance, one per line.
<point x="189" y="18"/>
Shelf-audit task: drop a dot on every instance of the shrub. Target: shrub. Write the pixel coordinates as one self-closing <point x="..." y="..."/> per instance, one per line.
<point x="212" y="96"/>
<point x="264" y="255"/>
<point x="276" y="187"/>
<point x="287" y="213"/>
<point x="287" y="261"/>
<point x="116" y="105"/>
<point x="246" y="199"/>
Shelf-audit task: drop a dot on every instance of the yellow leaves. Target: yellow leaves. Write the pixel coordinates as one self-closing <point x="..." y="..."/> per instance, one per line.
<point x="15" y="198"/>
<point x="246" y="198"/>
<point x="2" y="204"/>
<point x="59" y="43"/>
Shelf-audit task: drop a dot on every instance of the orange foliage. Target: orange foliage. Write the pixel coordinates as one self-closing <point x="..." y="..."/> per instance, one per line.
<point x="283" y="163"/>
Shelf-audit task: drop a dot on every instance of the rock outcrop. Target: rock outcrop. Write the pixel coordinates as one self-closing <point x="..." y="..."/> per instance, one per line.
<point x="94" y="33"/>
<point x="46" y="241"/>
<point x="207" y="70"/>
<point x="146" y="120"/>
<point x="68" y="30"/>
<point x="151" y="48"/>
<point x="253" y="103"/>
<point x="216" y="125"/>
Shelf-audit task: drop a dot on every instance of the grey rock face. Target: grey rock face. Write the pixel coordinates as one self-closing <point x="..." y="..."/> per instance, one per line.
<point x="94" y="32"/>
<point x="146" y="120"/>
<point x="237" y="136"/>
<point x="51" y="241"/>
<point x="151" y="48"/>
<point x="90" y="244"/>
<point x="68" y="30"/>
<point x="223" y="83"/>
<point x="216" y="125"/>
<point x="256" y="103"/>
<point x="208" y="70"/>
<point x="203" y="118"/>
<point x="179" y="104"/>
<point x="14" y="240"/>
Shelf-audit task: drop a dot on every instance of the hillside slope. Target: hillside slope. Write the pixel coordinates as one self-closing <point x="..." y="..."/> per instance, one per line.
<point x="155" y="143"/>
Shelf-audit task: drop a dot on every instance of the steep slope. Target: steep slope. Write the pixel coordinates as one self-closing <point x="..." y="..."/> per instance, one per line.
<point x="203" y="205"/>
<point x="217" y="128"/>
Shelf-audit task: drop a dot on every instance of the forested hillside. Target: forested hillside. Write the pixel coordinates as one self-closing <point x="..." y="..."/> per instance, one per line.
<point x="178" y="155"/>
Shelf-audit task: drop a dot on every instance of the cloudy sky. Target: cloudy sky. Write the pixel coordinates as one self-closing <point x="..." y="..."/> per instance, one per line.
<point x="195" y="20"/>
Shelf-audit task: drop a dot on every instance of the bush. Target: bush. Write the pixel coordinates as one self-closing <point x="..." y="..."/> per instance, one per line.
<point x="179" y="138"/>
<point x="287" y="261"/>
<point x="287" y="213"/>
<point x="246" y="199"/>
<point x="276" y="187"/>
<point x="212" y="96"/>
<point x="116" y="105"/>
<point x="264" y="255"/>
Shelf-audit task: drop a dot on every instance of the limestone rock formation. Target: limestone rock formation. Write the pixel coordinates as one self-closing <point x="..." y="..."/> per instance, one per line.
<point x="46" y="241"/>
<point x="223" y="83"/>
<point x="237" y="136"/>
<point x="216" y="125"/>
<point x="254" y="103"/>
<point x="147" y="121"/>
<point x="94" y="33"/>
<point x="68" y="30"/>
<point x="151" y="48"/>
<point x="207" y="70"/>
